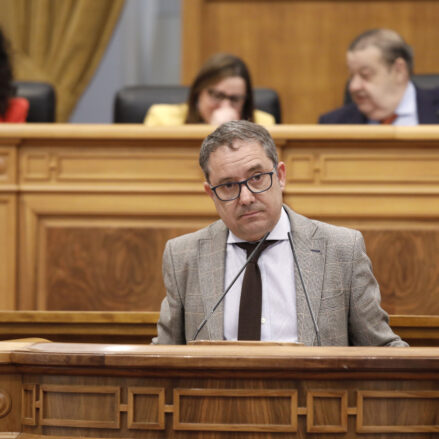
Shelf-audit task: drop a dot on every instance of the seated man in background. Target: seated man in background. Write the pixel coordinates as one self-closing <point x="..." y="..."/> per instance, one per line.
<point x="222" y="91"/>
<point x="12" y="109"/>
<point x="380" y="64"/>
<point x="321" y="293"/>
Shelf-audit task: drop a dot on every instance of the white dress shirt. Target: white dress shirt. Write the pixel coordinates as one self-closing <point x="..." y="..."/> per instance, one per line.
<point x="276" y="264"/>
<point x="407" y="110"/>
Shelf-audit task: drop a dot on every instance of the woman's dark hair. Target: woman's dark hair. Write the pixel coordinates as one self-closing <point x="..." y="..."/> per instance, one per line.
<point x="6" y="87"/>
<point x="215" y="69"/>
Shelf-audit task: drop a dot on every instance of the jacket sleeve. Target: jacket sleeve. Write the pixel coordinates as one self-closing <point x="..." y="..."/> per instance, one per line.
<point x="368" y="322"/>
<point x="170" y="326"/>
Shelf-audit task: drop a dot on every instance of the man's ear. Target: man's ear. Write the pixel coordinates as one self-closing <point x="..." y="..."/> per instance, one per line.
<point x="281" y="174"/>
<point x="208" y="190"/>
<point x="401" y="70"/>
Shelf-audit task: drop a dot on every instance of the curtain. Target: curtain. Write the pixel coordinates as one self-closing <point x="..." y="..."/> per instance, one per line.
<point x="59" y="41"/>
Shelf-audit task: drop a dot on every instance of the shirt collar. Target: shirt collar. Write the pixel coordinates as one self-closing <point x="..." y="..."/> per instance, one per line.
<point x="407" y="106"/>
<point x="279" y="233"/>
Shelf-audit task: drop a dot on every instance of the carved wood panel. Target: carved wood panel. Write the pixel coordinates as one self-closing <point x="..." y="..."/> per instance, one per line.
<point x="105" y="268"/>
<point x="212" y="409"/>
<point x="406" y="265"/>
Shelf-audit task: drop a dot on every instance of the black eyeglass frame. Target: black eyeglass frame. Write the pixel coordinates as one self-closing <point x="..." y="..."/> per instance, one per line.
<point x="245" y="182"/>
<point x="219" y="96"/>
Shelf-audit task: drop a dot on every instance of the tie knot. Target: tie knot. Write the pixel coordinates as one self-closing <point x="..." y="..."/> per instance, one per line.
<point x="250" y="246"/>
<point x="388" y="120"/>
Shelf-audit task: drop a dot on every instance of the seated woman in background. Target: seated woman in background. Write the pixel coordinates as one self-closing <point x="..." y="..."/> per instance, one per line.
<point x="12" y="109"/>
<point x="222" y="91"/>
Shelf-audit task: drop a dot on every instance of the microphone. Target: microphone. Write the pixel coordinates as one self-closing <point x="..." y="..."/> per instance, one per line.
<point x="316" y="328"/>
<point x="230" y="286"/>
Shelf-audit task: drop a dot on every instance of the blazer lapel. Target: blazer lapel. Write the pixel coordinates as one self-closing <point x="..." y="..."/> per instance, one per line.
<point x="310" y="252"/>
<point x="427" y="102"/>
<point x="212" y="253"/>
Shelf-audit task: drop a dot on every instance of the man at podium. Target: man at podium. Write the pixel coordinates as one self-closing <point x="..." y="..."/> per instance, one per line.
<point x="264" y="272"/>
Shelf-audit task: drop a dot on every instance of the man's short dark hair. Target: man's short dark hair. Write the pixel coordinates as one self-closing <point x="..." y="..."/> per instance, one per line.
<point x="389" y="42"/>
<point x="228" y="133"/>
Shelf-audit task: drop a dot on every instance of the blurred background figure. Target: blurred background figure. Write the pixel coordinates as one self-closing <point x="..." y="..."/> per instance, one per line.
<point x="222" y="91"/>
<point x="12" y="109"/>
<point x="380" y="65"/>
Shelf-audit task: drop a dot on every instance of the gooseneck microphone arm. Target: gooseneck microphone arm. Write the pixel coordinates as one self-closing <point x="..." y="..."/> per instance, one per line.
<point x="230" y="286"/>
<point x="316" y="328"/>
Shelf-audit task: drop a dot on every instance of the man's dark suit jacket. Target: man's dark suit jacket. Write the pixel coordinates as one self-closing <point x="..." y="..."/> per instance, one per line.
<point x="427" y="102"/>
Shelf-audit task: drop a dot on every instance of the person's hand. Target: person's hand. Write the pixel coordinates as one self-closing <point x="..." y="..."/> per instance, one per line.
<point x="224" y="114"/>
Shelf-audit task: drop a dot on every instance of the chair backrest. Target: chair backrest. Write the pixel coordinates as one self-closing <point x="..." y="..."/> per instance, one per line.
<point x="41" y="97"/>
<point x="132" y="103"/>
<point x="426" y="82"/>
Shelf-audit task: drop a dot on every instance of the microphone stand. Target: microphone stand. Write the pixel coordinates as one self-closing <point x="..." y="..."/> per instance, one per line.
<point x="230" y="286"/>
<point x="316" y="328"/>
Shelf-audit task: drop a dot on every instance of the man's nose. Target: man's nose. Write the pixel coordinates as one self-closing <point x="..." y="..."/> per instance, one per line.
<point x="246" y="196"/>
<point x="355" y="84"/>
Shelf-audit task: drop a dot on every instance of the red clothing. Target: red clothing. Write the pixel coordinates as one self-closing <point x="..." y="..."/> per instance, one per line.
<point x="17" y="110"/>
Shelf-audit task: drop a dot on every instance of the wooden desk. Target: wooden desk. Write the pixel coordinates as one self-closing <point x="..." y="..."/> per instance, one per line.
<point x="113" y="391"/>
<point x="85" y="210"/>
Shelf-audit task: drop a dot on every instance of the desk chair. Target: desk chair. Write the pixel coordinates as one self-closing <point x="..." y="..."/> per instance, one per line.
<point x="41" y="97"/>
<point x="132" y="103"/>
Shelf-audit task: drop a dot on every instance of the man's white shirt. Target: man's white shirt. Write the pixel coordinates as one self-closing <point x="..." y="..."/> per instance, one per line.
<point x="276" y="264"/>
<point x="407" y="110"/>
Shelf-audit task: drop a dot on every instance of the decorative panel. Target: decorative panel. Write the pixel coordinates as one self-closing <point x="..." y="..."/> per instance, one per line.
<point x="8" y="165"/>
<point x="70" y="406"/>
<point x="300" y="168"/>
<point x="28" y="404"/>
<point x="8" y="251"/>
<point x="380" y="412"/>
<point x="96" y="253"/>
<point x="37" y="166"/>
<point x="104" y="268"/>
<point x="380" y="168"/>
<point x="146" y="408"/>
<point x="235" y="410"/>
<point x="127" y="167"/>
<point x="111" y="165"/>
<point x="405" y="263"/>
<point x="327" y="411"/>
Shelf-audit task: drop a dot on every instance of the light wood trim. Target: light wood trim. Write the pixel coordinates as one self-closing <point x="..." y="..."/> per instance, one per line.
<point x="8" y="251"/>
<point x="46" y="133"/>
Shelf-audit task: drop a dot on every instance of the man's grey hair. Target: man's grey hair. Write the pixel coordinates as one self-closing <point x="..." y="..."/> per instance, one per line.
<point x="389" y="42"/>
<point x="237" y="130"/>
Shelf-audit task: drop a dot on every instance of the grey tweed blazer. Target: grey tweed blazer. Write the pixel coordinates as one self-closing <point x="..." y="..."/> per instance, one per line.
<point x="337" y="273"/>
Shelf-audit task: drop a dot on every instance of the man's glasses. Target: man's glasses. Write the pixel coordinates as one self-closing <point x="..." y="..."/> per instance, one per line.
<point x="219" y="96"/>
<point x="255" y="184"/>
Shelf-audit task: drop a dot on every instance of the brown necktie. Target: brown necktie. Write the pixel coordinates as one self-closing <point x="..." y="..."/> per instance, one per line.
<point x="388" y="120"/>
<point x="250" y="307"/>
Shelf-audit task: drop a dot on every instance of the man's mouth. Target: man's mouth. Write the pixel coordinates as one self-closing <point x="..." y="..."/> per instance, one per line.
<point x="249" y="214"/>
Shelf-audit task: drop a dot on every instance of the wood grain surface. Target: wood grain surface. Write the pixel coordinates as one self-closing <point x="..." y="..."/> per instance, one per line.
<point x="405" y="263"/>
<point x="105" y="268"/>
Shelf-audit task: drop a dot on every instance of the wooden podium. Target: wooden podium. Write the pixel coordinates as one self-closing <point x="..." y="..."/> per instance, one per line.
<point x="60" y="390"/>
